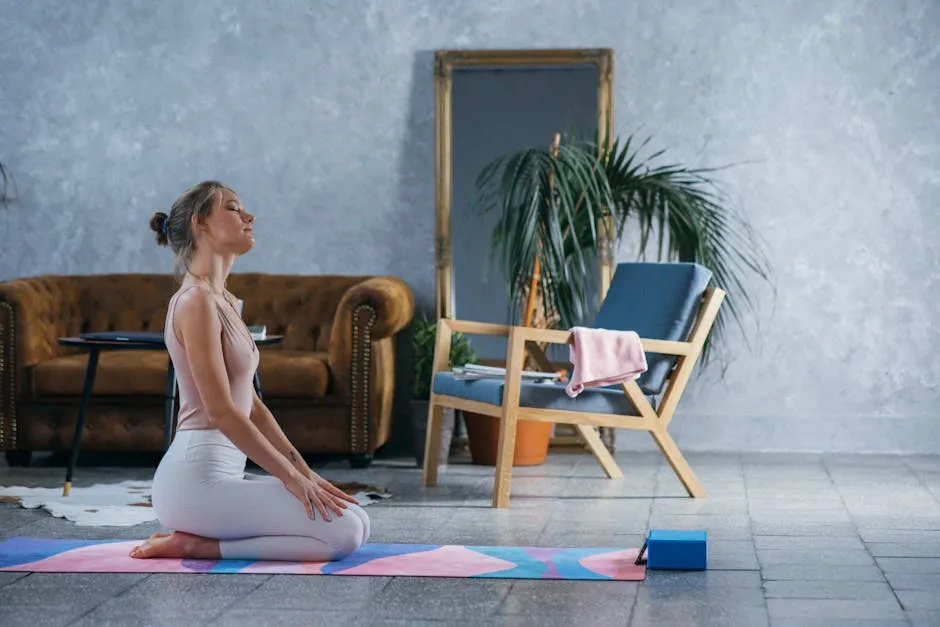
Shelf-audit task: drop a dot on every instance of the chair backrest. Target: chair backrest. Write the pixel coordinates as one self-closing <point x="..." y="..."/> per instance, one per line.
<point x="659" y="301"/>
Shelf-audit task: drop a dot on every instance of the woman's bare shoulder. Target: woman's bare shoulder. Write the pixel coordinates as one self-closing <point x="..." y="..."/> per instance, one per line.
<point x="195" y="304"/>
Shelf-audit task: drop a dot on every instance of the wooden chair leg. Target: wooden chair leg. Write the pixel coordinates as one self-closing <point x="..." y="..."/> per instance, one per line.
<point x="504" y="459"/>
<point x="432" y="443"/>
<point x="596" y="446"/>
<point x="681" y="467"/>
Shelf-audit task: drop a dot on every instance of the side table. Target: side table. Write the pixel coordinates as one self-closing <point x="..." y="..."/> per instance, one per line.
<point x="135" y="341"/>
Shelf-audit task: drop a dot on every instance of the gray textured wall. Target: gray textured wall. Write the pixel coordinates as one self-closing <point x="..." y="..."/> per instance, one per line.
<point x="320" y="114"/>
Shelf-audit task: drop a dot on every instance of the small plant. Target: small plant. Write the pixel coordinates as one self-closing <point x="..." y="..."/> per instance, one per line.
<point x="425" y="337"/>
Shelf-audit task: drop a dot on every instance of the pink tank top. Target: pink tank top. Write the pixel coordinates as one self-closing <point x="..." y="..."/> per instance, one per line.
<point x="239" y="352"/>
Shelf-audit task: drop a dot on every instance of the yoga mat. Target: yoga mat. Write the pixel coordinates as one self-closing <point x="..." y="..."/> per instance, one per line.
<point x="377" y="560"/>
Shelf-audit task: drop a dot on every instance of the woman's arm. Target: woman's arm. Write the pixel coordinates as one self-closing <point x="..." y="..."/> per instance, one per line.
<point x="200" y="329"/>
<point x="264" y="420"/>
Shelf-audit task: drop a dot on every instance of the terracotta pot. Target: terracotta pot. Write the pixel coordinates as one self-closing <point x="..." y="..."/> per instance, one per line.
<point x="532" y="440"/>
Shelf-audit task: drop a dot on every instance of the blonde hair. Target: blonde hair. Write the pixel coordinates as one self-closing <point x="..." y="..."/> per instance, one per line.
<point x="175" y="229"/>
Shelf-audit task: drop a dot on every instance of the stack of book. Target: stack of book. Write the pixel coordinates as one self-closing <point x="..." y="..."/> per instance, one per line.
<point x="474" y="372"/>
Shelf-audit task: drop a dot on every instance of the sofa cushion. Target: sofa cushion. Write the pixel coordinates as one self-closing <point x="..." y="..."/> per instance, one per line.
<point x="120" y="373"/>
<point x="298" y="374"/>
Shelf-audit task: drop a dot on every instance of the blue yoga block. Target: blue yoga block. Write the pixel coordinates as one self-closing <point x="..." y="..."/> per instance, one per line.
<point x="669" y="549"/>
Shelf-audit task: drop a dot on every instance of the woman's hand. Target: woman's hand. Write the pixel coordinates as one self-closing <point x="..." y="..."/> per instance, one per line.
<point x="316" y="493"/>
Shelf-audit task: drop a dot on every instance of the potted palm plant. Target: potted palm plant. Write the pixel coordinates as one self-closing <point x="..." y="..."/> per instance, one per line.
<point x="564" y="205"/>
<point x="423" y="343"/>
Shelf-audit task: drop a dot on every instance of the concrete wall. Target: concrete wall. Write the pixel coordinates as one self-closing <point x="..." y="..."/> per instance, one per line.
<point x="321" y="115"/>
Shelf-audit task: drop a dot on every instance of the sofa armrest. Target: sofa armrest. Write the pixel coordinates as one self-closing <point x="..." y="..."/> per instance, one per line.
<point x="30" y="325"/>
<point x="369" y="311"/>
<point x="29" y="330"/>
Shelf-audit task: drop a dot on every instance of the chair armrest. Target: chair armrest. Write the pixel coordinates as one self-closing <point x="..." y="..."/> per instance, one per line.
<point x="476" y="328"/>
<point x="553" y="336"/>
<point x="379" y="306"/>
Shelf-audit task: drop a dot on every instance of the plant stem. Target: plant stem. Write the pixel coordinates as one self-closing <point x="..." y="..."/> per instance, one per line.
<point x="533" y="284"/>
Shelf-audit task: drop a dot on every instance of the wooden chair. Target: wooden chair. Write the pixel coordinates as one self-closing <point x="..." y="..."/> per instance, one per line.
<point x="672" y="309"/>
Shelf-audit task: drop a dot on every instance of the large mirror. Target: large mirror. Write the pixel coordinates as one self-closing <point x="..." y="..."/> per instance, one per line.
<point x="490" y="103"/>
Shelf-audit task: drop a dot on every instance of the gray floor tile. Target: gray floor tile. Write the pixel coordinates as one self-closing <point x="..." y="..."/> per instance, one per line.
<point x="773" y="557"/>
<point x="924" y="618"/>
<point x="897" y="521"/>
<point x="708" y="614"/>
<point x="831" y="622"/>
<point x="7" y="578"/>
<point x="723" y="595"/>
<point x="39" y="616"/>
<point x="910" y="565"/>
<point x="807" y="543"/>
<point x="287" y="618"/>
<point x="788" y="526"/>
<point x="299" y="592"/>
<point x="920" y="599"/>
<point x="197" y="591"/>
<point x="440" y="598"/>
<point x="14" y="518"/>
<point x="582" y="602"/>
<point x="851" y="590"/>
<point x="834" y="609"/>
<point x="904" y="549"/>
<point x="901" y="535"/>
<point x="106" y="616"/>
<point x="592" y="539"/>
<point x="704" y="579"/>
<point x="913" y="581"/>
<point x="81" y="591"/>
<point x="733" y="560"/>
<point x="821" y="572"/>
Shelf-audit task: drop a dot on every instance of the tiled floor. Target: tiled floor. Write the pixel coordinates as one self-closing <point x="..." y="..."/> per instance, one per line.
<point x="793" y="540"/>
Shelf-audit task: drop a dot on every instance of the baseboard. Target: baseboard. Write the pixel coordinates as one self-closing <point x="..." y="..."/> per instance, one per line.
<point x="919" y="435"/>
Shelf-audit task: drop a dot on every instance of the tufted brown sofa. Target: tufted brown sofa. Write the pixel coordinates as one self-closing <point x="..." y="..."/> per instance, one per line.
<point x="329" y="383"/>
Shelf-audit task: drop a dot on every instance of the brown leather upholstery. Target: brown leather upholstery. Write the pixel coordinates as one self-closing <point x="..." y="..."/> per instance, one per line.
<point x="330" y="381"/>
<point x="120" y="373"/>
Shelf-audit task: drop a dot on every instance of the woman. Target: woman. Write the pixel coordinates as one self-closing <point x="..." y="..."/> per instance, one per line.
<point x="200" y="489"/>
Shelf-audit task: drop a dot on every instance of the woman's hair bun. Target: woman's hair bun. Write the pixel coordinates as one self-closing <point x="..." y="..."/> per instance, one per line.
<point x="159" y="224"/>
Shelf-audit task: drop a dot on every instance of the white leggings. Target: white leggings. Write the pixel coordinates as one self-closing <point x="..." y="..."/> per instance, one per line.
<point x="200" y="487"/>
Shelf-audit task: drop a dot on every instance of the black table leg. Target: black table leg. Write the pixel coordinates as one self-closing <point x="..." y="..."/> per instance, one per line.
<point x="258" y="385"/>
<point x="90" y="372"/>
<point x="169" y="406"/>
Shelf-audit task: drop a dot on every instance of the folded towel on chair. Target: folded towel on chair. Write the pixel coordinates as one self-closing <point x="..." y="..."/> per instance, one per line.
<point x="602" y="357"/>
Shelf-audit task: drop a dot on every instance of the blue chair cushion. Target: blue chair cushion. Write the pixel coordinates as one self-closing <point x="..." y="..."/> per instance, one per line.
<point x="603" y="400"/>
<point x="659" y="301"/>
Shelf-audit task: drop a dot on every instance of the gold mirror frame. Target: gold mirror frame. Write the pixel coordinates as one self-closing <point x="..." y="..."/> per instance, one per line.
<point x="445" y="61"/>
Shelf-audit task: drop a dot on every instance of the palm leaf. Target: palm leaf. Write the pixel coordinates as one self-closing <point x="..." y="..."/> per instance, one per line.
<point x="692" y="220"/>
<point x="551" y="205"/>
<point x="548" y="206"/>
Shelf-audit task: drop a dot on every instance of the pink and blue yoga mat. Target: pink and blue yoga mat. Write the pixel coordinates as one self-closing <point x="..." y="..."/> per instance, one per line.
<point x="386" y="560"/>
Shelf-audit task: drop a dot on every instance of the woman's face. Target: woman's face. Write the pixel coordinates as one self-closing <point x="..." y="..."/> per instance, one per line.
<point x="228" y="229"/>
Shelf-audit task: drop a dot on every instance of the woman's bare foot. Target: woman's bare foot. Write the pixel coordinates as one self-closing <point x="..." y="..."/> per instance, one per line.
<point x="177" y="545"/>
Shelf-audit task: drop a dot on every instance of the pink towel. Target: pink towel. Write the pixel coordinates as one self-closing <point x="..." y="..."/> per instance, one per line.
<point x="601" y="357"/>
